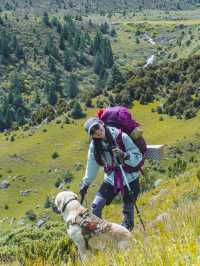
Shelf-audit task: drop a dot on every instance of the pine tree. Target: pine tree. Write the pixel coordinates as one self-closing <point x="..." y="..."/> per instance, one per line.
<point x="68" y="61"/>
<point x="19" y="52"/>
<point x="46" y="19"/>
<point x="4" y="47"/>
<point x="71" y="88"/>
<point x="77" y="41"/>
<point x="62" y="42"/>
<point x="51" y="93"/>
<point x="57" y="82"/>
<point x="59" y="27"/>
<point x="1" y="21"/>
<point x="98" y="64"/>
<point x="107" y="54"/>
<point x="51" y="64"/>
<point x="113" y="33"/>
<point x="104" y="28"/>
<point x="116" y="76"/>
<point x="83" y="60"/>
<point x="97" y="43"/>
<point x="77" y="111"/>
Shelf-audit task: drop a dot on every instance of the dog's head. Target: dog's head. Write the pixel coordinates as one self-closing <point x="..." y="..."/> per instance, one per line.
<point x="63" y="198"/>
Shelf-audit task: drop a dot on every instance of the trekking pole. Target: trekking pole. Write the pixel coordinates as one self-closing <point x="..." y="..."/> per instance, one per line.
<point x="139" y="215"/>
<point x="129" y="189"/>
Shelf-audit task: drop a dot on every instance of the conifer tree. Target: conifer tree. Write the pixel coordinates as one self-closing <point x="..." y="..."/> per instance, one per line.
<point x="77" y="111"/>
<point x="51" y="64"/>
<point x="116" y="76"/>
<point x="104" y="28"/>
<point x="62" y="42"/>
<point x="46" y="19"/>
<point x="68" y="61"/>
<point x="106" y="52"/>
<point x="51" y="93"/>
<point x="71" y="88"/>
<point x="98" y="64"/>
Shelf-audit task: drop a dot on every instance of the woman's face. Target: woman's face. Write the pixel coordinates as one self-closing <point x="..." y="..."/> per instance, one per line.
<point x="98" y="131"/>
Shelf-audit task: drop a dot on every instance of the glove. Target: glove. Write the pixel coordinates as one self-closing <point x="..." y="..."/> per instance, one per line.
<point x="83" y="191"/>
<point x="118" y="154"/>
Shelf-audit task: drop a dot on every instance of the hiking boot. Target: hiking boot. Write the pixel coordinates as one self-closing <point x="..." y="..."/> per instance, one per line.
<point x="127" y="225"/>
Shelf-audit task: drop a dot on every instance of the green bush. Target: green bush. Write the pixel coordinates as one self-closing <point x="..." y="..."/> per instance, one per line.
<point x="55" y="155"/>
<point x="31" y="215"/>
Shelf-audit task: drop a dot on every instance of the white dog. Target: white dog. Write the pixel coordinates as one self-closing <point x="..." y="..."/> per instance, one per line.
<point x="87" y="230"/>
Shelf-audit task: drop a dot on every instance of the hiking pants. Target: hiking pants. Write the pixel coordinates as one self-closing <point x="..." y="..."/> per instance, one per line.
<point x="105" y="196"/>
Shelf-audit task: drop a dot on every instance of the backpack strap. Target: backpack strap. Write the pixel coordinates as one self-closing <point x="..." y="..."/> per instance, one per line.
<point x="128" y="168"/>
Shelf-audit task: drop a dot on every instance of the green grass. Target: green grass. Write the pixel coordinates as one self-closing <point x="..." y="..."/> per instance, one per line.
<point x="34" y="159"/>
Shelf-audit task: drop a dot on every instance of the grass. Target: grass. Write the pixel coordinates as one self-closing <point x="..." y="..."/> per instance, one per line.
<point x="34" y="161"/>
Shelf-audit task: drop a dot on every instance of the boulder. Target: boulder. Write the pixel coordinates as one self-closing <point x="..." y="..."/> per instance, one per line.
<point x="5" y="184"/>
<point x="157" y="182"/>
<point x="21" y="222"/>
<point x="40" y="222"/>
<point x="25" y="193"/>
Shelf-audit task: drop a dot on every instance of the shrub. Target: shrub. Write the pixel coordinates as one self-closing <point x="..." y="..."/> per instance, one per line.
<point x="68" y="176"/>
<point x="47" y="203"/>
<point x="31" y="215"/>
<point x="55" y="155"/>
<point x="57" y="183"/>
<point x="12" y="138"/>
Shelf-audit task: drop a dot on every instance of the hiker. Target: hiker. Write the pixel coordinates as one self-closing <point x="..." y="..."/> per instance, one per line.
<point x="104" y="151"/>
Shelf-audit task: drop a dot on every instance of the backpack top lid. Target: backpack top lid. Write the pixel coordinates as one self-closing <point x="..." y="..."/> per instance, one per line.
<point x="118" y="116"/>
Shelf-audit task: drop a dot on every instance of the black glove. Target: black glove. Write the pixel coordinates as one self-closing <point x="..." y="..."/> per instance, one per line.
<point x="83" y="191"/>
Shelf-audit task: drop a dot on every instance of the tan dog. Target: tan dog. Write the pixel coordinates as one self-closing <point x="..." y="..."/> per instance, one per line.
<point x="78" y="220"/>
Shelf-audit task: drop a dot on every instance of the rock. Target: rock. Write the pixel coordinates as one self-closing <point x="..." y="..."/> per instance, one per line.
<point x="40" y="222"/>
<point x="21" y="222"/>
<point x="157" y="182"/>
<point x="5" y="184"/>
<point x="25" y="193"/>
<point x="61" y="186"/>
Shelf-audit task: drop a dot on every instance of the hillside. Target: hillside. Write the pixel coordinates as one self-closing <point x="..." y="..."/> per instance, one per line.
<point x="99" y="6"/>
<point x="169" y="206"/>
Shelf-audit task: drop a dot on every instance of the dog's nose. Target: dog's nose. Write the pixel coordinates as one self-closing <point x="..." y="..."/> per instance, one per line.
<point x="55" y="209"/>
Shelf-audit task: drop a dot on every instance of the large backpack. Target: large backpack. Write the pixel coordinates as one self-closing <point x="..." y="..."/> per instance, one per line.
<point x="120" y="117"/>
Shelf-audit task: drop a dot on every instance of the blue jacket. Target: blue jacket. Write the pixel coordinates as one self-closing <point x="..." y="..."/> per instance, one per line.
<point x="135" y="157"/>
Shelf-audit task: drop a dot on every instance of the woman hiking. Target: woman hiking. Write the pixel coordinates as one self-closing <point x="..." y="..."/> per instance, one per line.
<point x="112" y="149"/>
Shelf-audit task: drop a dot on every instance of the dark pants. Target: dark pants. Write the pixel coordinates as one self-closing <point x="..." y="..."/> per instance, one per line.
<point x="106" y="194"/>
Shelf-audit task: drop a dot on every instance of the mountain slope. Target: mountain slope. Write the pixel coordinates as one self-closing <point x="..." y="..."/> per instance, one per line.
<point x="95" y="5"/>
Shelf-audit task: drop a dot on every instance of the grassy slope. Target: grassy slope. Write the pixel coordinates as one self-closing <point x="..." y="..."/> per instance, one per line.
<point x="34" y="159"/>
<point x="165" y="29"/>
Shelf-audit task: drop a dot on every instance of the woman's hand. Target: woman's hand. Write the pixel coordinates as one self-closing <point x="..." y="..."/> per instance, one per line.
<point x="118" y="154"/>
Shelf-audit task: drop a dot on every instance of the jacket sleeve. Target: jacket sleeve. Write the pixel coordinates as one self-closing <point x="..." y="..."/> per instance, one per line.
<point x="91" y="168"/>
<point x="134" y="154"/>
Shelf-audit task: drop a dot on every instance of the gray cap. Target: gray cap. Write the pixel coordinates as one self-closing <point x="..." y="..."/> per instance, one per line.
<point x="92" y="121"/>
